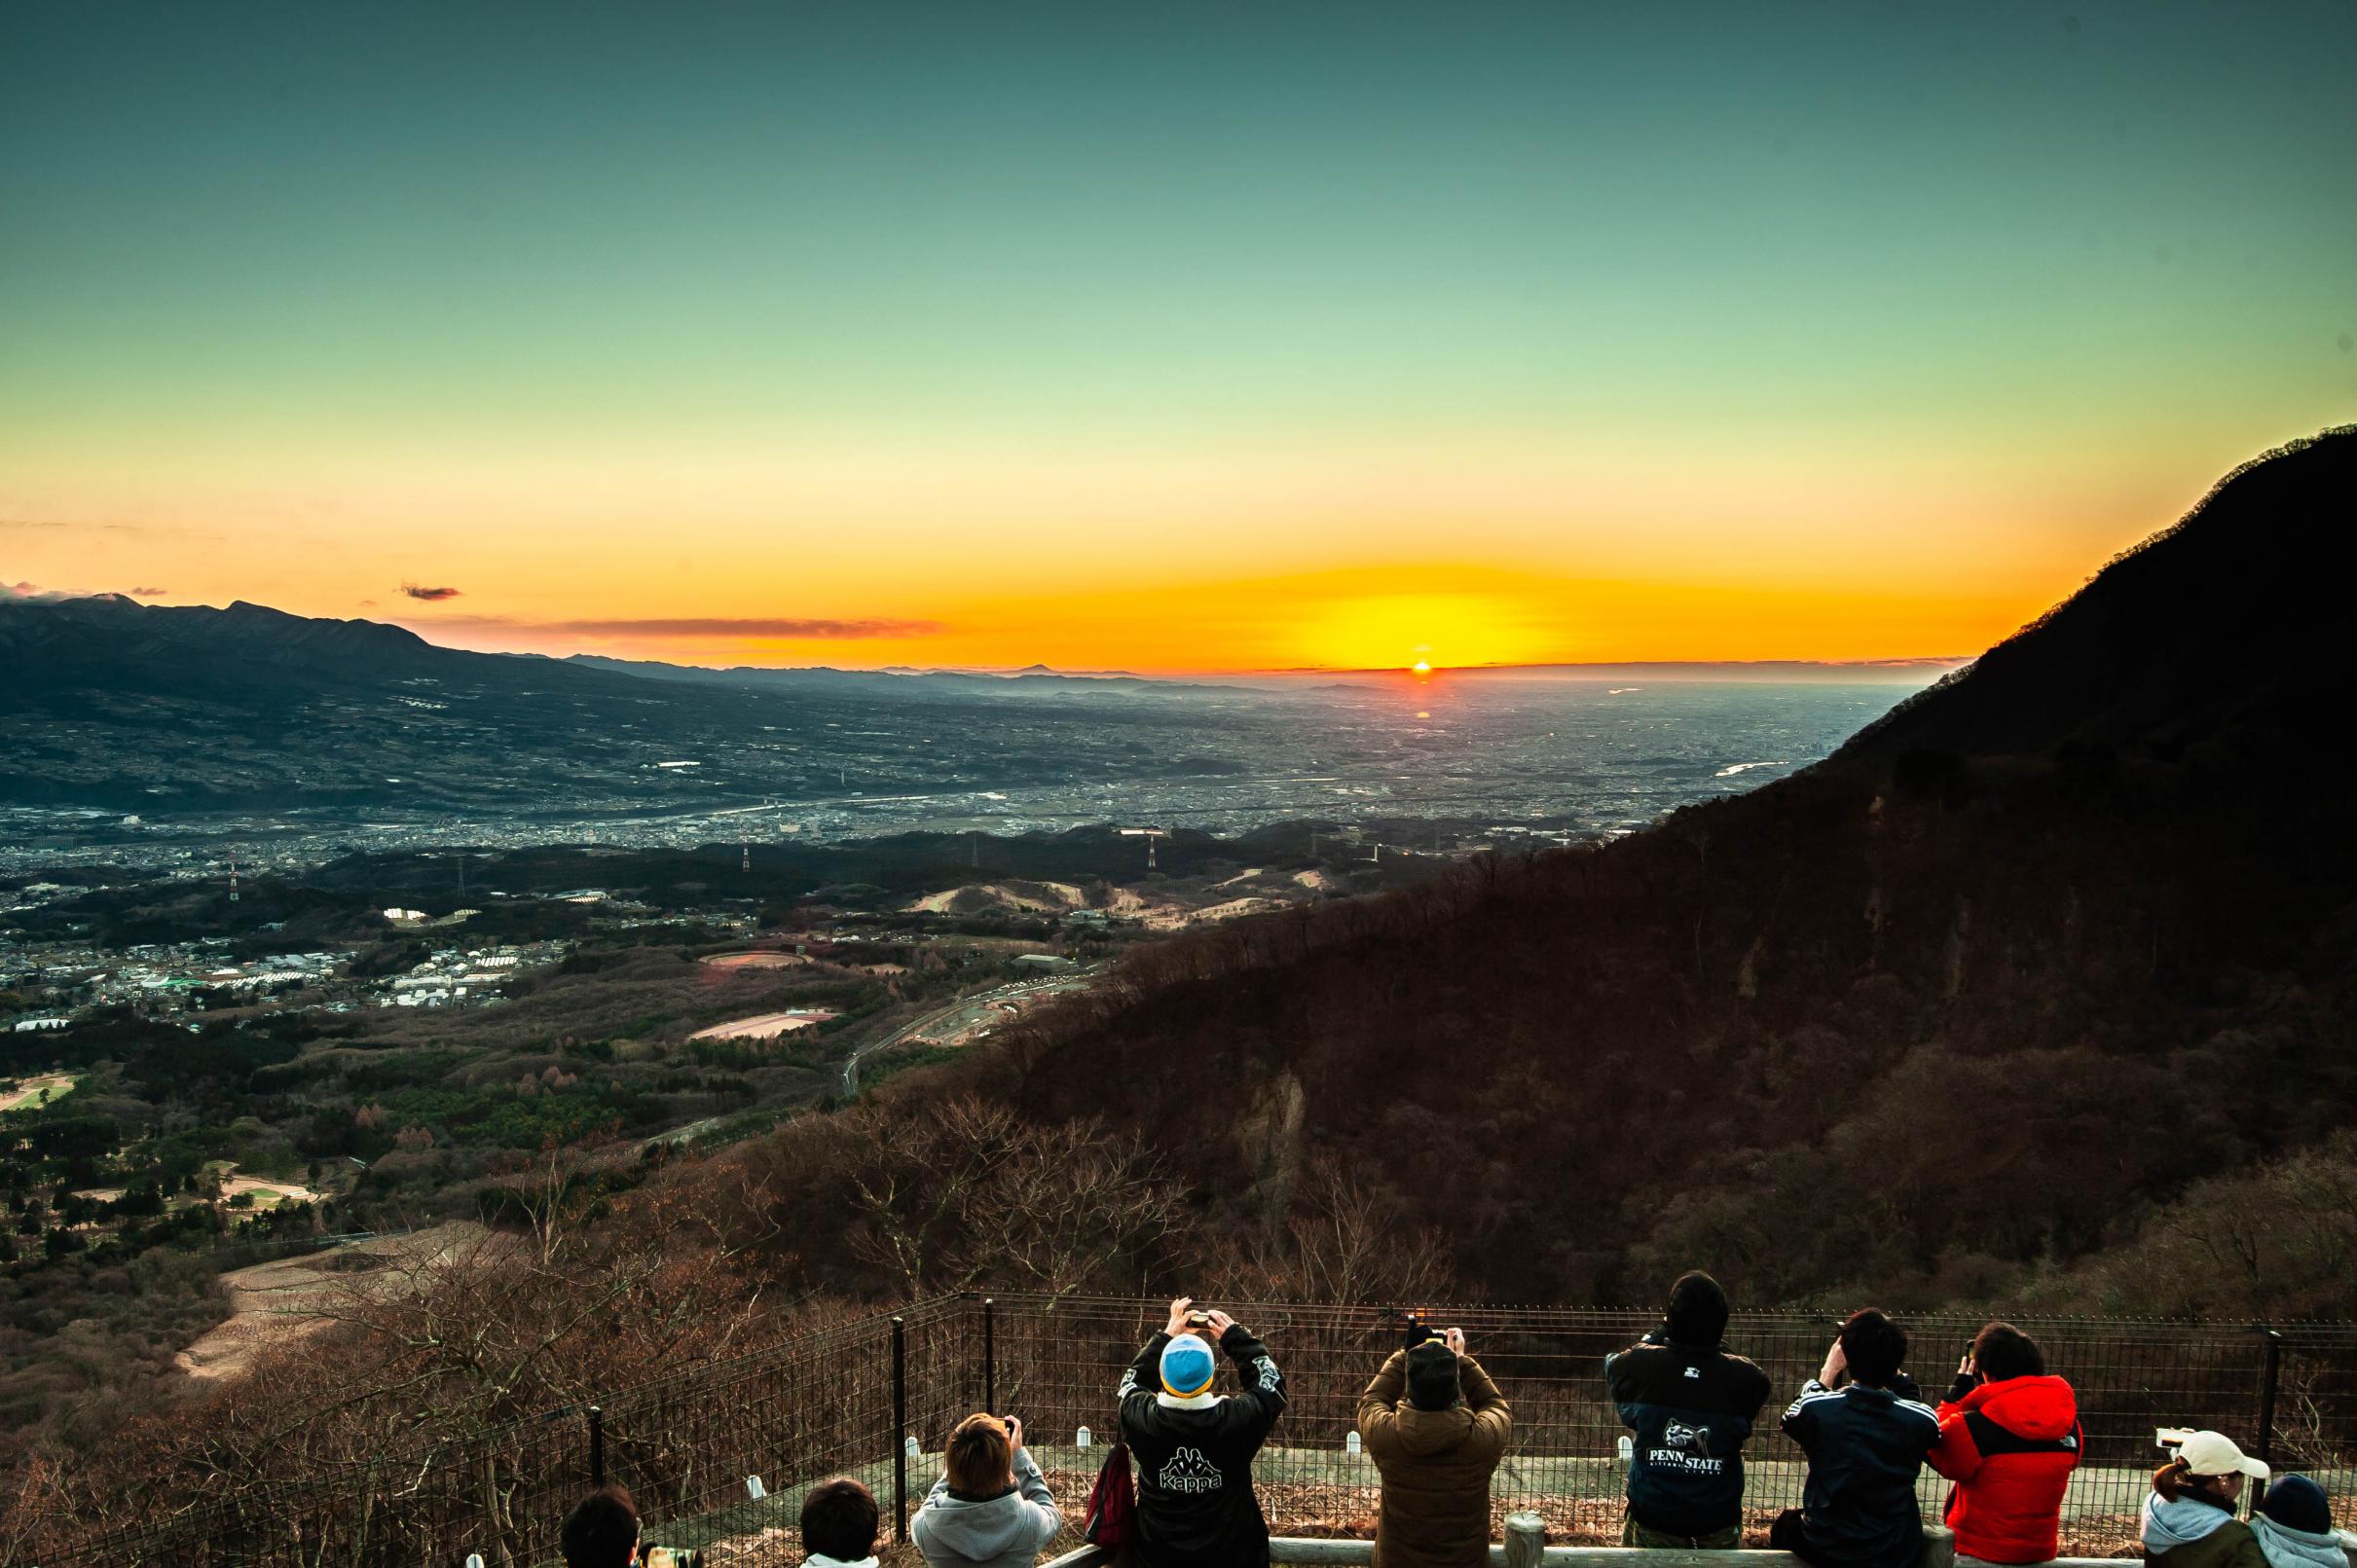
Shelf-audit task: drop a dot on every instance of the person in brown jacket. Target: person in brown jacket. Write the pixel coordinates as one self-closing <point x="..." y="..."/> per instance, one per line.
<point x="1436" y="1426"/>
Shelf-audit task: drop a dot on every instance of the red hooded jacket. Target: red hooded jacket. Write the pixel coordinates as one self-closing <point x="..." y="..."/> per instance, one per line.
<point x="2009" y="1447"/>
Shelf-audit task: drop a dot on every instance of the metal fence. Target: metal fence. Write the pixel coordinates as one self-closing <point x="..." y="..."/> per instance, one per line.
<point x="876" y="1398"/>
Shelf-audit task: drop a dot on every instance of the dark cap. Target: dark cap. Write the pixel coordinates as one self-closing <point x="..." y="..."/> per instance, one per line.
<point x="2298" y="1503"/>
<point x="1698" y="1311"/>
<point x="1432" y="1377"/>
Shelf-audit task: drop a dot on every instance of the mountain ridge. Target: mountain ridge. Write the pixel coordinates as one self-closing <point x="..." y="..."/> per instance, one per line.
<point x="1939" y="1018"/>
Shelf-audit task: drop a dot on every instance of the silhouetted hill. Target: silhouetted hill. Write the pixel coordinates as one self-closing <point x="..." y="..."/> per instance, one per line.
<point x="2068" y="934"/>
<point x="65" y="653"/>
<point x="2231" y="622"/>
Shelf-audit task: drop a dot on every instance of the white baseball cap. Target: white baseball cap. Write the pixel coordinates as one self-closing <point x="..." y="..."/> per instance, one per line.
<point x="2213" y="1454"/>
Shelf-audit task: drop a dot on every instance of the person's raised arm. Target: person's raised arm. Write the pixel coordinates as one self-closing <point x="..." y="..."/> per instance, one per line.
<point x="1037" y="1501"/>
<point x="1255" y="1368"/>
<point x="1378" y="1405"/>
<point x="1955" y="1456"/>
<point x="1492" y="1416"/>
<point x="1145" y="1368"/>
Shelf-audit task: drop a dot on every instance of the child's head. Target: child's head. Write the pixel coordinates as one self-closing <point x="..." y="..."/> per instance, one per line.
<point x="839" y="1519"/>
<point x="979" y="1457"/>
<point x="602" y="1531"/>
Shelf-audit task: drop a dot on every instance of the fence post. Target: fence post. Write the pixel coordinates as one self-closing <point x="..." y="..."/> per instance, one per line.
<point x="899" y="1430"/>
<point x="1525" y="1541"/>
<point x="2265" y="1450"/>
<point x="596" y="1447"/>
<point x="990" y="1356"/>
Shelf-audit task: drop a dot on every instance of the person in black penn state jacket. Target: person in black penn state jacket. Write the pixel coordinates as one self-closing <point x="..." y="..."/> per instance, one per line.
<point x="1690" y="1404"/>
<point x="1194" y="1448"/>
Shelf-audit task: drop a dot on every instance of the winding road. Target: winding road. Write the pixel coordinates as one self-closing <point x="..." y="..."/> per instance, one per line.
<point x="965" y="1013"/>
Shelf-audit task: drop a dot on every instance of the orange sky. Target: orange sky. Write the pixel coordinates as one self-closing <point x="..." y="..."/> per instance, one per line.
<point x="1214" y="556"/>
<point x="829" y="336"/>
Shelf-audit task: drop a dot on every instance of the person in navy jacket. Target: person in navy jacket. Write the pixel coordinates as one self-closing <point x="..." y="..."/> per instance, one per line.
<point x="1866" y="1437"/>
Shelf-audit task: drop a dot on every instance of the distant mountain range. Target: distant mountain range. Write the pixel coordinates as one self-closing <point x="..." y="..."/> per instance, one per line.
<point x="891" y="683"/>
<point x="120" y="705"/>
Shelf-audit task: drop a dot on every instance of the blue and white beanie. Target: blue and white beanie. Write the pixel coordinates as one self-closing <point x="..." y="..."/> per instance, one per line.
<point x="1187" y="1366"/>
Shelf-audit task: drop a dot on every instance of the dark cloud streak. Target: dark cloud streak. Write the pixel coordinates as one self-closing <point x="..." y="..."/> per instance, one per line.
<point x="432" y="596"/>
<point x="791" y="628"/>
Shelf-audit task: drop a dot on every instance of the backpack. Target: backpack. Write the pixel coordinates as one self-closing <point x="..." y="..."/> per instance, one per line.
<point x="1112" y="1518"/>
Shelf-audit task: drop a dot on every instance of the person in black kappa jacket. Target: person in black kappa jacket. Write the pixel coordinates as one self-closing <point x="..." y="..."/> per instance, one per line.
<point x="1194" y="1448"/>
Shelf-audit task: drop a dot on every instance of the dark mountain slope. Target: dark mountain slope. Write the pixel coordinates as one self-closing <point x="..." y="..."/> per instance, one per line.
<point x="2226" y="626"/>
<point x="1927" y="1026"/>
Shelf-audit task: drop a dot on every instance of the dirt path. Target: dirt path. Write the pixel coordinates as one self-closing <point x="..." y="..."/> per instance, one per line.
<point x="278" y="1303"/>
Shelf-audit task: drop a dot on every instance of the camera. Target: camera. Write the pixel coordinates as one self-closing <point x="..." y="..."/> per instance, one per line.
<point x="1199" y="1320"/>
<point x="1419" y="1332"/>
<point x="671" y="1557"/>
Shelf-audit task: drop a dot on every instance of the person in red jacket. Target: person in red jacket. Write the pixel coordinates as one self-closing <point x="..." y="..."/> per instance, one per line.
<point x="2008" y="1438"/>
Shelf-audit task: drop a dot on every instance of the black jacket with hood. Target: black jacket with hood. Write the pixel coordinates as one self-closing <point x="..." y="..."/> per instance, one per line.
<point x="1690" y="1407"/>
<point x="1196" y="1507"/>
<point x="1690" y="1404"/>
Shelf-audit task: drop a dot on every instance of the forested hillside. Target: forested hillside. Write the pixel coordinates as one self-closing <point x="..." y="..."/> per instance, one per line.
<point x="1948" y="1016"/>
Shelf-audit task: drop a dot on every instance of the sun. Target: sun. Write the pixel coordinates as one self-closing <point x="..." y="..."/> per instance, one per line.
<point x="1421" y="667"/>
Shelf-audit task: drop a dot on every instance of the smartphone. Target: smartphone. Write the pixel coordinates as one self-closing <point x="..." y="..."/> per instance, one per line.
<point x="1199" y="1320"/>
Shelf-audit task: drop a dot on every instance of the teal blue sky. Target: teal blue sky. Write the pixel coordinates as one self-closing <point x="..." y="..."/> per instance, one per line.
<point x="244" y="242"/>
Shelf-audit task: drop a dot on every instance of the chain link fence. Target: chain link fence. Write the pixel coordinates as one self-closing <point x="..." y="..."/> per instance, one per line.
<point x="719" y="1457"/>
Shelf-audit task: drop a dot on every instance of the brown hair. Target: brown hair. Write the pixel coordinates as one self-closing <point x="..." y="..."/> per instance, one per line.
<point x="978" y="1457"/>
<point x="2174" y="1480"/>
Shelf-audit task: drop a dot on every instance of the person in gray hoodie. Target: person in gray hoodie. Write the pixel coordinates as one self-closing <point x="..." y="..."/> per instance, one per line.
<point x="991" y="1509"/>
<point x="2294" y="1526"/>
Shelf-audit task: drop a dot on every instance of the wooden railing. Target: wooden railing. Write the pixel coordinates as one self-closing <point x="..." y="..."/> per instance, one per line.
<point x="1526" y="1547"/>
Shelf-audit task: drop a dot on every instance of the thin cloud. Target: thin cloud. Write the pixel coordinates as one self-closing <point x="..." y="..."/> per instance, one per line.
<point x="432" y="596"/>
<point x="792" y="629"/>
<point x="35" y="594"/>
<point x="795" y="629"/>
<point x="147" y="593"/>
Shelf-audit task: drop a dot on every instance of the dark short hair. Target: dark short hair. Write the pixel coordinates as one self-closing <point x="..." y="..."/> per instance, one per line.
<point x="602" y="1529"/>
<point x="2000" y="1350"/>
<point x="1874" y="1346"/>
<point x="1698" y="1311"/>
<point x="839" y="1519"/>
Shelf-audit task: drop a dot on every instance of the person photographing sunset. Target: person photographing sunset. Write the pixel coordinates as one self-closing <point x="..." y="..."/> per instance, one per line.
<point x="1194" y="1448"/>
<point x="1436" y="1426"/>
<point x="991" y="1507"/>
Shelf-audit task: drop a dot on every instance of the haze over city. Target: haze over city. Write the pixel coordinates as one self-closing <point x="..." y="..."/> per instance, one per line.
<point x="1242" y="338"/>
